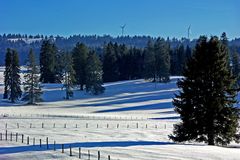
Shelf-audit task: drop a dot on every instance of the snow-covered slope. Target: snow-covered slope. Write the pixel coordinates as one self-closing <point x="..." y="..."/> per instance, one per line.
<point x="130" y="121"/>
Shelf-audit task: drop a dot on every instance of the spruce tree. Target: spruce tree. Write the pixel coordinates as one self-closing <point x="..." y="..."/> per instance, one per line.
<point x="79" y="55"/>
<point x="236" y="66"/>
<point x="181" y="59"/>
<point x="110" y="67"/>
<point x="32" y="81"/>
<point x="150" y="69"/>
<point x="14" y="81"/>
<point x="207" y="97"/>
<point x="7" y="77"/>
<point x="68" y="75"/>
<point x="48" y="54"/>
<point x="162" y="56"/>
<point x="94" y="74"/>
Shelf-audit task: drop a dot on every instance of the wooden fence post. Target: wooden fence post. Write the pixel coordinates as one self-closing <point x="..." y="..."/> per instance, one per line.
<point x="88" y="154"/>
<point x="47" y="142"/>
<point x="34" y="141"/>
<point x="70" y="147"/>
<point x="62" y="148"/>
<point x="98" y="155"/>
<point x="109" y="157"/>
<point x="6" y="135"/>
<point x="28" y="140"/>
<point x="42" y="125"/>
<point x="79" y="153"/>
<point x="11" y="136"/>
<point x="40" y="142"/>
<point x="16" y="137"/>
<point x="54" y="146"/>
<point x="22" y="138"/>
<point x="1" y="136"/>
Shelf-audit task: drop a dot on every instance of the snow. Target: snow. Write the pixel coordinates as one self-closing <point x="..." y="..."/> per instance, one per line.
<point x="131" y="120"/>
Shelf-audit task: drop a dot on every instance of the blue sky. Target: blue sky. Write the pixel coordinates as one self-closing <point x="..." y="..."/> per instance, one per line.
<point x="142" y="17"/>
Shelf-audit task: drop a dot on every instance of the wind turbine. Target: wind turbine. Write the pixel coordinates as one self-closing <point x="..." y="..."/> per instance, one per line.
<point x="189" y="30"/>
<point x="123" y="27"/>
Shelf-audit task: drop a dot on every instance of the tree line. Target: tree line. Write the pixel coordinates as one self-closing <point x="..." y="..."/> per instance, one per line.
<point x="83" y="68"/>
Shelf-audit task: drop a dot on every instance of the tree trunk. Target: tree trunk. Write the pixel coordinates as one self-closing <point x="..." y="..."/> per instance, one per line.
<point x="81" y="87"/>
<point x="211" y="139"/>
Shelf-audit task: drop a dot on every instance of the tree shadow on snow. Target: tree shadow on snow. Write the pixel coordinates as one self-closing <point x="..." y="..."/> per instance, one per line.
<point x="19" y="149"/>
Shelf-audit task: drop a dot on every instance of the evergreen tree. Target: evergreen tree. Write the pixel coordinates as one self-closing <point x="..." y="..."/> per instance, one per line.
<point x="236" y="66"/>
<point x="150" y="69"/>
<point x="68" y="74"/>
<point x="7" y="77"/>
<point x="48" y="54"/>
<point x="188" y="53"/>
<point x="94" y="75"/>
<point x="162" y="56"/>
<point x="32" y="81"/>
<point x="110" y="66"/>
<point x="207" y="97"/>
<point x="80" y="54"/>
<point x="12" y="77"/>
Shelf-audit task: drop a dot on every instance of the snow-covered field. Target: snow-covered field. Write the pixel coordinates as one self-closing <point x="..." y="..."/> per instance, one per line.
<point x="131" y="120"/>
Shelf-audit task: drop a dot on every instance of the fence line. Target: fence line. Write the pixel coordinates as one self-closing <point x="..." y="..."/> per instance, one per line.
<point x="8" y="136"/>
<point x="87" y="125"/>
<point x="82" y="117"/>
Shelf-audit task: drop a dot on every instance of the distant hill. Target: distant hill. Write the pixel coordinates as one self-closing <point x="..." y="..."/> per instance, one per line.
<point x="22" y="43"/>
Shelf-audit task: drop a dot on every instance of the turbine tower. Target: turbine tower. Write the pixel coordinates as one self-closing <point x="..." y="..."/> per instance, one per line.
<point x="189" y="30"/>
<point x="123" y="27"/>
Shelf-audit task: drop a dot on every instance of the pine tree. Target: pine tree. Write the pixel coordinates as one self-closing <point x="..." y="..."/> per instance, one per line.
<point x="162" y="56"/>
<point x="188" y="53"/>
<point x="110" y="67"/>
<point x="68" y="74"/>
<point x="80" y="54"/>
<point x="207" y="97"/>
<point x="32" y="81"/>
<point x="150" y="69"/>
<point x="236" y="66"/>
<point x="181" y="59"/>
<point x="94" y="72"/>
<point x="48" y="62"/>
<point x="12" y="77"/>
<point x="7" y="77"/>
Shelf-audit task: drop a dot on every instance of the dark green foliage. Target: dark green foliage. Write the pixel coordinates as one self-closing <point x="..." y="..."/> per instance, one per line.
<point x="162" y="51"/>
<point x="157" y="61"/>
<point x="110" y="65"/>
<point x="207" y="97"/>
<point x="236" y="66"/>
<point x="79" y="55"/>
<point x="48" y="63"/>
<point x="32" y="81"/>
<point x="94" y="73"/>
<point x="68" y="74"/>
<point x="11" y="76"/>
<point x="150" y="69"/>
<point x="7" y="76"/>
<point x="179" y="57"/>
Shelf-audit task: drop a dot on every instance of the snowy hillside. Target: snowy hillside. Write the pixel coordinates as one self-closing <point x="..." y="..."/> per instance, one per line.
<point x="130" y="121"/>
